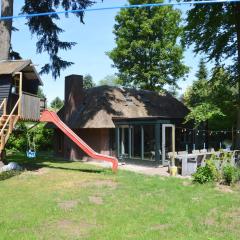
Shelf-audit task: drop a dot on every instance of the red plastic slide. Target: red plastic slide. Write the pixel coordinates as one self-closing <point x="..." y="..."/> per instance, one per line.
<point x="48" y="116"/>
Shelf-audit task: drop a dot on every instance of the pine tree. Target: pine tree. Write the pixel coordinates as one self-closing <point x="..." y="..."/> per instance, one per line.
<point x="202" y="72"/>
<point x="45" y="28"/>
<point x="88" y="82"/>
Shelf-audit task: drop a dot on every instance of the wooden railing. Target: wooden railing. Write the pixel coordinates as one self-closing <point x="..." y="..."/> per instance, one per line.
<point x="31" y="106"/>
<point x="3" y="106"/>
<point x="10" y="122"/>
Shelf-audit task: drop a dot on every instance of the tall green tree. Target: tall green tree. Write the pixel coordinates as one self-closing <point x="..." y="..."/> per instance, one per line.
<point x="215" y="31"/>
<point x="45" y="28"/>
<point x="211" y="99"/>
<point x="40" y="93"/>
<point x="88" y="81"/>
<point x="148" y="54"/>
<point x="56" y="103"/>
<point x="110" y="80"/>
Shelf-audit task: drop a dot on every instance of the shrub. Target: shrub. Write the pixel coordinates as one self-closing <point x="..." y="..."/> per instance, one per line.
<point x="18" y="139"/>
<point x="230" y="174"/>
<point x="8" y="174"/>
<point x="205" y="174"/>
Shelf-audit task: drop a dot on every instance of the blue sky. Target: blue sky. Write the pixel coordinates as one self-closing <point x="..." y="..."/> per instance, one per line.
<point x="94" y="39"/>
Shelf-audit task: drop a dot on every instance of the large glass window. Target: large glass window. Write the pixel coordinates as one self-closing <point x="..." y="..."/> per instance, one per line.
<point x="142" y="141"/>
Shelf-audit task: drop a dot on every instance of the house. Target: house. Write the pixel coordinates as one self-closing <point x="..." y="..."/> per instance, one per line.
<point x="134" y="125"/>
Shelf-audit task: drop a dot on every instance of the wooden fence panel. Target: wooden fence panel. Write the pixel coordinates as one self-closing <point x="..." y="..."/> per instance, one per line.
<point x="30" y="107"/>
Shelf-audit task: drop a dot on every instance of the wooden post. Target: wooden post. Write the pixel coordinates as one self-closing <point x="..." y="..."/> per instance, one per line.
<point x="173" y="145"/>
<point x="2" y="142"/>
<point x="157" y="143"/>
<point x="142" y="143"/>
<point x="20" y="92"/>
<point x="129" y="142"/>
<point x="11" y="124"/>
<point x="5" y="107"/>
<point x="117" y="141"/>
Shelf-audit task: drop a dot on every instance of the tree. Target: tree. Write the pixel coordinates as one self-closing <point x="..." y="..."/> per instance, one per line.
<point x="147" y="54"/>
<point x="40" y="93"/>
<point x="215" y="31"/>
<point x="199" y="91"/>
<point x="88" y="81"/>
<point x="42" y="137"/>
<point x="44" y="27"/>
<point x="110" y="80"/>
<point x="202" y="73"/>
<point x="56" y="103"/>
<point x="5" y="29"/>
<point x="211" y="99"/>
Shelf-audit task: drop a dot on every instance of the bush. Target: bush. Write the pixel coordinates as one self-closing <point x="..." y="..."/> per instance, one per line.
<point x="230" y="174"/>
<point x="8" y="174"/>
<point x="18" y="139"/>
<point x="205" y="174"/>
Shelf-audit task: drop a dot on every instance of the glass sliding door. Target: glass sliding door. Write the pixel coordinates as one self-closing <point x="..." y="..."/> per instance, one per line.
<point x="124" y="141"/>
<point x="149" y="142"/>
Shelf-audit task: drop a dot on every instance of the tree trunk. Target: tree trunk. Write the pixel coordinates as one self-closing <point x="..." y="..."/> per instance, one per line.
<point x="5" y="29"/>
<point x="237" y="16"/>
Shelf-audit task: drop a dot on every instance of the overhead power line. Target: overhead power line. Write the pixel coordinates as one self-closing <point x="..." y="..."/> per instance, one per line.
<point x="41" y="14"/>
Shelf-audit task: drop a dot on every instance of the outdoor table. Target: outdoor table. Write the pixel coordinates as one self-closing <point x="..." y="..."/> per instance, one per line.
<point x="189" y="161"/>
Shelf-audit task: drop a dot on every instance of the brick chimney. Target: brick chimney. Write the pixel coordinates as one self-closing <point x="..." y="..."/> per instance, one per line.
<point x="73" y="94"/>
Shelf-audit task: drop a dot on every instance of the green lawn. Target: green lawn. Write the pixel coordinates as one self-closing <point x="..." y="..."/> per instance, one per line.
<point x="72" y="200"/>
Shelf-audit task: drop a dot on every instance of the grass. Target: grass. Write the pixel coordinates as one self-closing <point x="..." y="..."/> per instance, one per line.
<point x="54" y="199"/>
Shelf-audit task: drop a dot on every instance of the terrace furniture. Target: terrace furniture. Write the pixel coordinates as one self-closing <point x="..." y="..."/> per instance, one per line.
<point x="169" y="155"/>
<point x="195" y="151"/>
<point x="182" y="152"/>
<point x="189" y="164"/>
<point x="153" y="154"/>
<point x="236" y="158"/>
<point x="211" y="150"/>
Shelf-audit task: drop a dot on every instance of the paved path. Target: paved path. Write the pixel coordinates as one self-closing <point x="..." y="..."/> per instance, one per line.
<point x="152" y="171"/>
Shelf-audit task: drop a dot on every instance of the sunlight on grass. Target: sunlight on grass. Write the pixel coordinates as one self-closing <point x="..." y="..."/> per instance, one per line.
<point x="55" y="199"/>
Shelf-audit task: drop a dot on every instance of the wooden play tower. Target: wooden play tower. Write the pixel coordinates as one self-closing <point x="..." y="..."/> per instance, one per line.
<point x="19" y="83"/>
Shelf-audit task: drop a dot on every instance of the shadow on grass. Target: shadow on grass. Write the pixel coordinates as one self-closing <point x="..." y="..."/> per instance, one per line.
<point x="46" y="160"/>
<point x="87" y="170"/>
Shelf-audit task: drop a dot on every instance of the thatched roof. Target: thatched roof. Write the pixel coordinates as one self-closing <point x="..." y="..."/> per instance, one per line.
<point x="10" y="67"/>
<point x="101" y="104"/>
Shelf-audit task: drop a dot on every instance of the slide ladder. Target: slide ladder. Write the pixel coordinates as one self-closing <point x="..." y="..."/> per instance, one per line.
<point x="49" y="116"/>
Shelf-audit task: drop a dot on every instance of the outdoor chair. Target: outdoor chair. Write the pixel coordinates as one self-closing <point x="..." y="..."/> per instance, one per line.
<point x="195" y="151"/>
<point x="211" y="150"/>
<point x="153" y="154"/>
<point x="169" y="155"/>
<point x="235" y="159"/>
<point x="206" y="157"/>
<point x="200" y="160"/>
<point x="182" y="152"/>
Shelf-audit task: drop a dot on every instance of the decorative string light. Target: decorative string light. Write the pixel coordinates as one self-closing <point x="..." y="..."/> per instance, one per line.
<point x="210" y="132"/>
